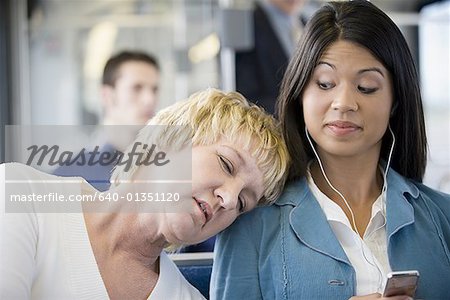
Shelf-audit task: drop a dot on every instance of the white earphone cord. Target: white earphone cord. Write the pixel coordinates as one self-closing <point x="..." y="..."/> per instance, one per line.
<point x="339" y="193"/>
<point x="328" y="181"/>
<point x="384" y="190"/>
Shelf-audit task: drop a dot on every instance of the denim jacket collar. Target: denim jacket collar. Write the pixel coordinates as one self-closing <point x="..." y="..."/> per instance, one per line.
<point x="399" y="212"/>
<point x="310" y="225"/>
<point x="308" y="221"/>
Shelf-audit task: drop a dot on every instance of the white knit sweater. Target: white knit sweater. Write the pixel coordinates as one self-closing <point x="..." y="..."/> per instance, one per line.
<point x="49" y="256"/>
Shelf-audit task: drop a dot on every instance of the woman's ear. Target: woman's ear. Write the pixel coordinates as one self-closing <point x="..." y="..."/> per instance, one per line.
<point x="394" y="109"/>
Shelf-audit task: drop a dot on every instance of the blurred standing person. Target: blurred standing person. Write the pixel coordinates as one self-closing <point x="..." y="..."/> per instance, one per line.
<point x="129" y="96"/>
<point x="130" y="87"/>
<point x="277" y="28"/>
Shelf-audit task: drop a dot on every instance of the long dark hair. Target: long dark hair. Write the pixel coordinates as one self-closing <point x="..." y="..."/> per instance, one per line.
<point x="362" y="23"/>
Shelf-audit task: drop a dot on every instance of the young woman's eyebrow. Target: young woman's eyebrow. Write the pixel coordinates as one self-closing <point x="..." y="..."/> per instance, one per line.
<point x="326" y="63"/>
<point x="373" y="69"/>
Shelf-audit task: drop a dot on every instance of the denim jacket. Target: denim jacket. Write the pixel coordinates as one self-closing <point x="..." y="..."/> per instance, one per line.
<point x="289" y="251"/>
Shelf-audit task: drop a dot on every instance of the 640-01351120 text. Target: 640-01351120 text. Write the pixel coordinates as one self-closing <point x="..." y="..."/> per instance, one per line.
<point x="143" y="197"/>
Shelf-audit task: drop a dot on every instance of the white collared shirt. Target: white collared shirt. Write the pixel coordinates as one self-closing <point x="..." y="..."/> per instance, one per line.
<point x="368" y="255"/>
<point x="171" y="283"/>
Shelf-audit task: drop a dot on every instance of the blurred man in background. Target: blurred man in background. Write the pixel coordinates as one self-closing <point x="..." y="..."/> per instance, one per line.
<point x="130" y="86"/>
<point x="278" y="26"/>
<point x="129" y="96"/>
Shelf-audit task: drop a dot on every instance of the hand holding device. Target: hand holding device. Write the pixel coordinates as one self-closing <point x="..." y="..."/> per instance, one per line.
<point x="401" y="283"/>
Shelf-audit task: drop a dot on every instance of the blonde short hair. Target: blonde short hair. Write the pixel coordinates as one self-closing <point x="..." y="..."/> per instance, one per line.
<point x="210" y="115"/>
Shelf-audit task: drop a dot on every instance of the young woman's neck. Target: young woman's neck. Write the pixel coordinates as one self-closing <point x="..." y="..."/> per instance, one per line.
<point x="358" y="179"/>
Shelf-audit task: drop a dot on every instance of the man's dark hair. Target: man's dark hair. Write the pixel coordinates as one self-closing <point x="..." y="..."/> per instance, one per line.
<point x="111" y="70"/>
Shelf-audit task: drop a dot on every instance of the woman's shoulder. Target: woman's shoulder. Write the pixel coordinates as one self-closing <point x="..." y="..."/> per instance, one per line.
<point x="417" y="189"/>
<point x="171" y="283"/>
<point x="26" y="189"/>
<point x="439" y="198"/>
<point x="427" y="190"/>
<point x="293" y="193"/>
<point x="17" y="179"/>
<point x="19" y="171"/>
<point x="427" y="197"/>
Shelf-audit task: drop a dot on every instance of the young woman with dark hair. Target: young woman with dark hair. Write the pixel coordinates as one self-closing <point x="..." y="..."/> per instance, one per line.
<point x="355" y="208"/>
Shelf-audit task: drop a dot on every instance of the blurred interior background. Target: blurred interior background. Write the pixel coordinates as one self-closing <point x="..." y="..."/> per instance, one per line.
<point x="52" y="54"/>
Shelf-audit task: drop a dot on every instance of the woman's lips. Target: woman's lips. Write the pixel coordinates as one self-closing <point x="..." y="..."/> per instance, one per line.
<point x="342" y="127"/>
<point x="205" y="209"/>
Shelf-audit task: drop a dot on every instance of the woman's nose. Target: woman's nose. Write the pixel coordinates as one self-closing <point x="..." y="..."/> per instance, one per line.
<point x="228" y="195"/>
<point x="344" y="100"/>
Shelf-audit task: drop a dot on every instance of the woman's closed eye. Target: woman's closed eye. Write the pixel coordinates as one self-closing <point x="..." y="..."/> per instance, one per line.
<point x="241" y="205"/>
<point x="325" y="85"/>
<point x="226" y="164"/>
<point x="367" y="90"/>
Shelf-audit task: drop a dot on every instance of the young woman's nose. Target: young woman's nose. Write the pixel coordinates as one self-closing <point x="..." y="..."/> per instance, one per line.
<point x="344" y="99"/>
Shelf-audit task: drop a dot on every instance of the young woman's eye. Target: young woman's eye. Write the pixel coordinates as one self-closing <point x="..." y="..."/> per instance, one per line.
<point x="226" y="165"/>
<point x="325" y="85"/>
<point x="367" y="90"/>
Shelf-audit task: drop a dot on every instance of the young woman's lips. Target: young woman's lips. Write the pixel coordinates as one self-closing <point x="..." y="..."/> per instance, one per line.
<point x="341" y="128"/>
<point x="205" y="209"/>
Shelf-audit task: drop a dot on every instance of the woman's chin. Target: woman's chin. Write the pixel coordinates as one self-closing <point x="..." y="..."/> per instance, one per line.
<point x="193" y="239"/>
<point x="185" y="237"/>
<point x="186" y="230"/>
